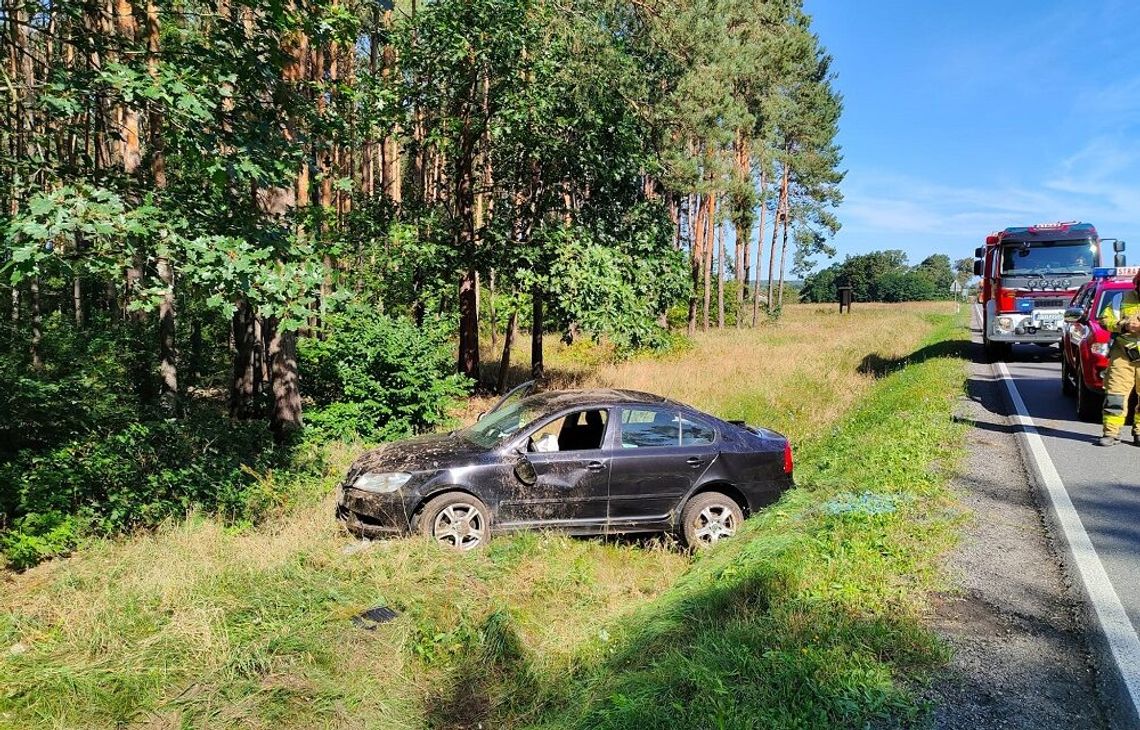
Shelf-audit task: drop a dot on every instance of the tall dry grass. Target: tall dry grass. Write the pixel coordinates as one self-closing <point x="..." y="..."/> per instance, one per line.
<point x="796" y="375"/>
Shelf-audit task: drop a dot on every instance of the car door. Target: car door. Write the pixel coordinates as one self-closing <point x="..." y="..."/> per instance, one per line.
<point x="660" y="453"/>
<point x="570" y="461"/>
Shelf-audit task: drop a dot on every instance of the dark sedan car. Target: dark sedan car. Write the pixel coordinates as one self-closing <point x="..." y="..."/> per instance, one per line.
<point x="585" y="461"/>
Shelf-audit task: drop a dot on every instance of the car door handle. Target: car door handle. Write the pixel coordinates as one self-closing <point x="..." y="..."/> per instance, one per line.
<point x="694" y="461"/>
<point x="595" y="466"/>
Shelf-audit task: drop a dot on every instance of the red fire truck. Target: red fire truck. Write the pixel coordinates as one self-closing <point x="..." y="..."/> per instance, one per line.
<point x="1029" y="275"/>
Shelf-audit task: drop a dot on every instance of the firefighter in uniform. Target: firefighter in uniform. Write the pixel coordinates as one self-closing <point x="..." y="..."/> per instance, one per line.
<point x="1123" y="364"/>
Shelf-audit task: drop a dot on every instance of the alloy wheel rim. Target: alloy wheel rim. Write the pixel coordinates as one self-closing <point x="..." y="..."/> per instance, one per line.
<point x="715" y="523"/>
<point x="459" y="526"/>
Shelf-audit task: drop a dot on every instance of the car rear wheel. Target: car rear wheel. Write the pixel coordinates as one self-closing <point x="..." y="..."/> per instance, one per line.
<point x="997" y="350"/>
<point x="1068" y="384"/>
<point x="709" y="518"/>
<point x="455" y="520"/>
<point x="1089" y="403"/>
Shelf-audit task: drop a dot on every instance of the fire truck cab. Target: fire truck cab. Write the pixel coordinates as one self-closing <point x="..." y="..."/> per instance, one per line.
<point x="1029" y="276"/>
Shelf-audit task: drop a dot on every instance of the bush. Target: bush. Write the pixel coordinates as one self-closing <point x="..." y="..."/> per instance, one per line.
<point x="137" y="477"/>
<point x="379" y="378"/>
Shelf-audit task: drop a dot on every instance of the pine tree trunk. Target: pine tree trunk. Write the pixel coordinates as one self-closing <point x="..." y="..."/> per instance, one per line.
<point x="468" y="326"/>
<point x="744" y="172"/>
<point x="77" y="301"/>
<point x="780" y="215"/>
<point x="465" y="245"/>
<point x="242" y="380"/>
<point x="505" y="361"/>
<point x="783" y="257"/>
<point x="168" y="356"/>
<point x="696" y="256"/>
<point x="759" y="254"/>
<point x="537" y="368"/>
<point x="720" y="278"/>
<point x="285" y="382"/>
<point x="128" y="115"/>
<point x="37" y="326"/>
<point x="491" y="314"/>
<point x="390" y="147"/>
<point x="710" y="242"/>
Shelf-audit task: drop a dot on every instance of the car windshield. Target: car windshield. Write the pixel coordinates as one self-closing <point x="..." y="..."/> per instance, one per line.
<point x="497" y="425"/>
<point x="1048" y="257"/>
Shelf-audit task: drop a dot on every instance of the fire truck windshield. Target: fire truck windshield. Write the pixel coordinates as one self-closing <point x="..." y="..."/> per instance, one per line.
<point x="1048" y="257"/>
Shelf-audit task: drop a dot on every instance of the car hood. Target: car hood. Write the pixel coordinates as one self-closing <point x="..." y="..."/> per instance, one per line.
<point x="424" y="453"/>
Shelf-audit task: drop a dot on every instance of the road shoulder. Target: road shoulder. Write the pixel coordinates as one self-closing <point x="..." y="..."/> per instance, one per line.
<point x="1020" y="650"/>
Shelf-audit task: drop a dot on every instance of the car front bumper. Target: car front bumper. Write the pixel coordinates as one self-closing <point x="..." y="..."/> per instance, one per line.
<point x="373" y="515"/>
<point x="1039" y="327"/>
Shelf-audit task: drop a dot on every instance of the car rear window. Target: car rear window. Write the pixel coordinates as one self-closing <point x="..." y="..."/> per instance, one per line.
<point x="695" y="433"/>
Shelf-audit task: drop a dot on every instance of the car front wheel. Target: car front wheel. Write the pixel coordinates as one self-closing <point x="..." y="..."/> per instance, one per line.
<point x="1089" y="402"/>
<point x="1068" y="386"/>
<point x="456" y="520"/>
<point x="709" y="518"/>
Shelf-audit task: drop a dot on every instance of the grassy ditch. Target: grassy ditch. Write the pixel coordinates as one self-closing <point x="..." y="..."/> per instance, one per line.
<point x="810" y="618"/>
<point x="813" y="615"/>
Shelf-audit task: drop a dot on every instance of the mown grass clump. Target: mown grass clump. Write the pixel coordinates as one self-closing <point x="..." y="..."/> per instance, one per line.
<point x="809" y="619"/>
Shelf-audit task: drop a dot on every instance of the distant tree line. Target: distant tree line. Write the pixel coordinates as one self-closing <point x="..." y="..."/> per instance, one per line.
<point x="885" y="276"/>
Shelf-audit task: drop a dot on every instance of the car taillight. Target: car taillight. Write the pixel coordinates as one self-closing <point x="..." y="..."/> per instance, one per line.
<point x="787" y="457"/>
<point x="1006" y="300"/>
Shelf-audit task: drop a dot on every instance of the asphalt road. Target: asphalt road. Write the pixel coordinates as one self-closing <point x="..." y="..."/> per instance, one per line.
<point x="1103" y="484"/>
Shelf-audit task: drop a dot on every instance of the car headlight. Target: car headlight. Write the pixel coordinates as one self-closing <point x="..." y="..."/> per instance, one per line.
<point x="1099" y="348"/>
<point x="1005" y="323"/>
<point x="386" y="482"/>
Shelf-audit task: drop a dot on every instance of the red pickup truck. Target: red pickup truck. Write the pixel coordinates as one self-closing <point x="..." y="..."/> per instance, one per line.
<point x="1084" y="343"/>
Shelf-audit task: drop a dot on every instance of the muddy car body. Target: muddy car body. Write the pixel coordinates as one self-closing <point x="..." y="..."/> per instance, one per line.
<point x="585" y="462"/>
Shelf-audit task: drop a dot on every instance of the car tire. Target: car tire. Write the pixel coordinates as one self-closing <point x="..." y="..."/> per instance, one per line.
<point x="1089" y="403"/>
<point x="998" y="350"/>
<point x="455" y="520"/>
<point x="709" y="518"/>
<point x="1067" y="386"/>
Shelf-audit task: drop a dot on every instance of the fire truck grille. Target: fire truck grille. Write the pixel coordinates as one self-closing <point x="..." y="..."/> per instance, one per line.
<point x="1050" y="303"/>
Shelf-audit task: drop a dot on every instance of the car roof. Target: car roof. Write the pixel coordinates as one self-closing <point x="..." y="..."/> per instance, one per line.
<point x="558" y="399"/>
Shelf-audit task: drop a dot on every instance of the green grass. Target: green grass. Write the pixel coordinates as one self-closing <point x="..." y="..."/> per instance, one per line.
<point x="811" y="617"/>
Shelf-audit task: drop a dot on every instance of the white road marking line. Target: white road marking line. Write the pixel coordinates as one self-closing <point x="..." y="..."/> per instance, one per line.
<point x="1110" y="613"/>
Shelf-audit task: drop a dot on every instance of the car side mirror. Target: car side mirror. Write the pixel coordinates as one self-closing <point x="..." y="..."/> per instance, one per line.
<point x="524" y="470"/>
<point x="1119" y="261"/>
<point x="977" y="268"/>
<point x="1118" y="246"/>
<point x="1074" y="314"/>
<point x="979" y="253"/>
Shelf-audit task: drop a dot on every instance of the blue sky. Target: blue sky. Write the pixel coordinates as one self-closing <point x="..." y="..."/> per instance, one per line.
<point x="965" y="117"/>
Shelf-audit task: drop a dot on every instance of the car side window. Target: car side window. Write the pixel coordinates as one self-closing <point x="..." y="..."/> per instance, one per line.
<point x="695" y="433"/>
<point x="649" y="427"/>
<point x="578" y="431"/>
<point x="1110" y="300"/>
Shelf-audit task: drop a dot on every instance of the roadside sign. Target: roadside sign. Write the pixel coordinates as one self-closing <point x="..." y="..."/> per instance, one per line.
<point x="956" y="289"/>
